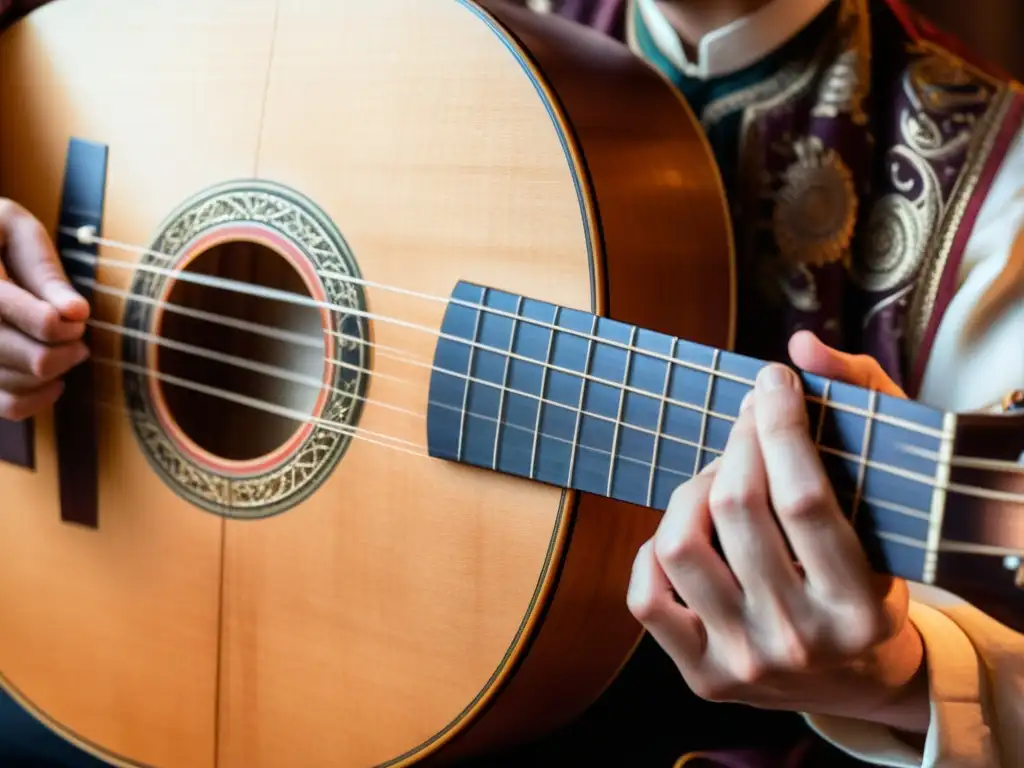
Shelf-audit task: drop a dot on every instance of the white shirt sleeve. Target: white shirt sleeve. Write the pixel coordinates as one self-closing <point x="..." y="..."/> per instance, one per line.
<point x="975" y="664"/>
<point x="966" y="377"/>
<point x="976" y="681"/>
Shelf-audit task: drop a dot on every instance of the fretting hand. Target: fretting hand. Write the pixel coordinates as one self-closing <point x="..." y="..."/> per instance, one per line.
<point x="42" y="318"/>
<point x="826" y="635"/>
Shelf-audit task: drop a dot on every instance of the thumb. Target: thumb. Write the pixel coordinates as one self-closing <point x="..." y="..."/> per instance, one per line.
<point x="809" y="353"/>
<point x="33" y="263"/>
<point x="56" y="291"/>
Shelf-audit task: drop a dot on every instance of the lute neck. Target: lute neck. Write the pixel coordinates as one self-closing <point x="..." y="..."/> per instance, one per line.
<point x="578" y="401"/>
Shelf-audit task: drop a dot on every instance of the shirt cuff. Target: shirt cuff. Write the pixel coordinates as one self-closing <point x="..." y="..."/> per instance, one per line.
<point x="958" y="733"/>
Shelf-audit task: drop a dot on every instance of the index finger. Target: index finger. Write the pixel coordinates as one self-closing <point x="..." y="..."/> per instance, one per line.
<point x="822" y="539"/>
<point x="32" y="262"/>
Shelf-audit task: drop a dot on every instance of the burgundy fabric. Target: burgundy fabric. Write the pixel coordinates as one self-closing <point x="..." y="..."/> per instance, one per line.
<point x="604" y="15"/>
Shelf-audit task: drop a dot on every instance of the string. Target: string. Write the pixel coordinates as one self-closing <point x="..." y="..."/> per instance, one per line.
<point x="354" y="433"/>
<point x="259" y="329"/>
<point x="264" y="330"/>
<point x="87" y="236"/>
<point x="968" y="462"/>
<point x="278" y="372"/>
<point x="284" y="373"/>
<point x="259" y="404"/>
<point x="250" y="365"/>
<point x="401" y="355"/>
<point x="404" y="356"/>
<point x="381" y="440"/>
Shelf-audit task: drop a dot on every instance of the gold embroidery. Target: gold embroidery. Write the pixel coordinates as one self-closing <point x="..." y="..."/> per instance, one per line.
<point x="847" y="81"/>
<point x="783" y="278"/>
<point x="774" y="276"/>
<point x="816" y="209"/>
<point x="839" y="87"/>
<point x="930" y="47"/>
<point x="896" y="237"/>
<point x="718" y="109"/>
<point x="899" y="226"/>
<point x="939" y="82"/>
<point x="937" y="255"/>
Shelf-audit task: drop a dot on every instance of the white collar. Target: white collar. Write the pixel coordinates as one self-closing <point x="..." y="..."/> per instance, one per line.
<point x="738" y="44"/>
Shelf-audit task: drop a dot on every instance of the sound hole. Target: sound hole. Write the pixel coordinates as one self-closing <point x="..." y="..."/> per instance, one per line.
<point x="227" y="429"/>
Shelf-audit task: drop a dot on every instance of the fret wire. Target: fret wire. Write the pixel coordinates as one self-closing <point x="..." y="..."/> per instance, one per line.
<point x="865" y="453"/>
<point x="892" y="469"/>
<point x="941" y="545"/>
<point x="540" y="404"/>
<point x="821" y="415"/>
<point x="567" y="441"/>
<point x="622" y="404"/>
<point x="546" y="366"/>
<point x="708" y="394"/>
<point x="661" y="424"/>
<point x="898" y="508"/>
<point x="938" y="506"/>
<point x="884" y="418"/>
<point x="504" y="383"/>
<point x="969" y="462"/>
<point x="573" y="450"/>
<point x="835" y="406"/>
<point x="469" y="372"/>
<point x="889" y="468"/>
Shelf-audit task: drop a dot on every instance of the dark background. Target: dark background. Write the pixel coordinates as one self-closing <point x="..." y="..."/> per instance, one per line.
<point x="993" y="28"/>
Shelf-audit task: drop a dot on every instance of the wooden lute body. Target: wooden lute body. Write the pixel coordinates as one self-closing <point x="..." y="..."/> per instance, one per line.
<point x="377" y="604"/>
<point x="265" y="529"/>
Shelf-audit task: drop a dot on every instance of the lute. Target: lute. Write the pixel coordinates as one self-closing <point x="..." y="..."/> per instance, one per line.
<point x="559" y="396"/>
<point x="361" y="460"/>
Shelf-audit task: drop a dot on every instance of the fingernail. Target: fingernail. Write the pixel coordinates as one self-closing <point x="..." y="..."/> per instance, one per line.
<point x="748" y="400"/>
<point x="711" y="467"/>
<point x="774" y="377"/>
<point x="64" y="296"/>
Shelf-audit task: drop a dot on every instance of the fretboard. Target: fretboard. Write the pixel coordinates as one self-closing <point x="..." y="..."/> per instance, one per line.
<point x="578" y="401"/>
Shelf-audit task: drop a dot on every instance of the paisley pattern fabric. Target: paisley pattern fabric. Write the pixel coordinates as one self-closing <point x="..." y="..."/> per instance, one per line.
<point x="859" y="163"/>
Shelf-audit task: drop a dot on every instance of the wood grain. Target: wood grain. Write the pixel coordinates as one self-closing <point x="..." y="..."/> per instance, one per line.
<point x="408" y="608"/>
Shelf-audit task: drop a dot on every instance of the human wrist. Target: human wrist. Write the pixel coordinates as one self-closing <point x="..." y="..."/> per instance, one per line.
<point x="908" y="709"/>
<point x="894" y="690"/>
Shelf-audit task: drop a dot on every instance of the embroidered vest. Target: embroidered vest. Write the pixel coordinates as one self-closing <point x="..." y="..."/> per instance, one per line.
<point x="858" y="169"/>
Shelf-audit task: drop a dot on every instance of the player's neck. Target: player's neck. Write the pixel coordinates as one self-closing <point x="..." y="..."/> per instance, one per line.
<point x="692" y="19"/>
